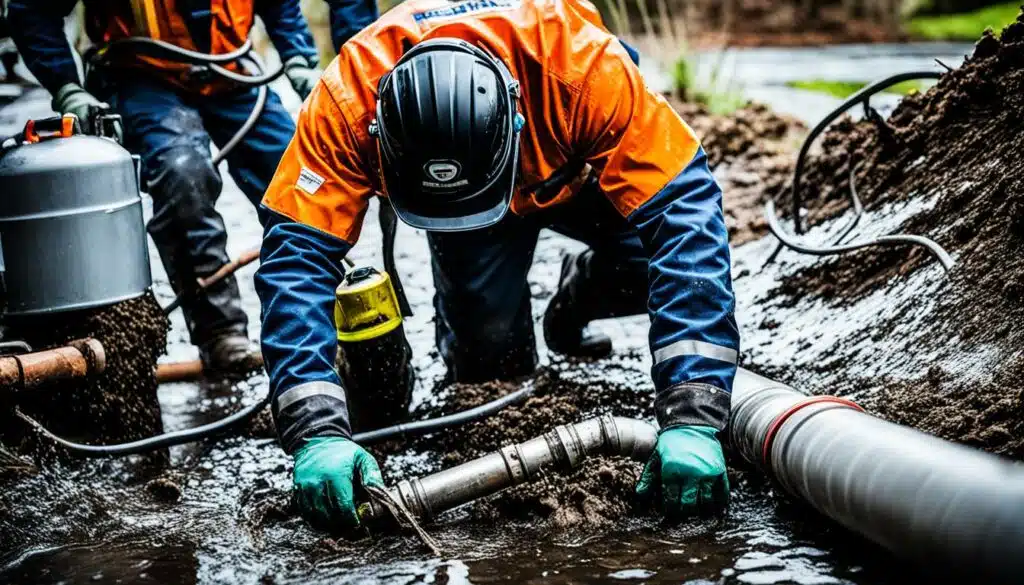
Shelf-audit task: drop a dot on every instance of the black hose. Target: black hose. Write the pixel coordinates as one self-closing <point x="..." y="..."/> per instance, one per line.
<point x="8" y="347"/>
<point x="151" y="443"/>
<point x="862" y="96"/>
<point x="243" y="54"/>
<point x="158" y="48"/>
<point x="257" y="109"/>
<point x="218" y="427"/>
<point x="254" y="80"/>
<point x="430" y="425"/>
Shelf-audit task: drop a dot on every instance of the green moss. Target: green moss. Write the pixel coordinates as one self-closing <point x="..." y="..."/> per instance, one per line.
<point x="844" y="89"/>
<point x="967" y="26"/>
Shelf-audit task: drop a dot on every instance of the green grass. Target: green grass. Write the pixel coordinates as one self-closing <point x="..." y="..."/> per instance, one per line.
<point x="718" y="101"/>
<point x="966" y="26"/>
<point x="844" y="89"/>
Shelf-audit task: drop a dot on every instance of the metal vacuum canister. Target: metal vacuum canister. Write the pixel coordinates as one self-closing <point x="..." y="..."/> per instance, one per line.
<point x="71" y="224"/>
<point x="374" y="356"/>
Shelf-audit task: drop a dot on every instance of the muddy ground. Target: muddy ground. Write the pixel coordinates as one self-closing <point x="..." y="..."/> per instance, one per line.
<point x="888" y="328"/>
<point x="945" y="348"/>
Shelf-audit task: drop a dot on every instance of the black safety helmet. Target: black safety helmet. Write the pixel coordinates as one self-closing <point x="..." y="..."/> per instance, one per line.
<point x="448" y="133"/>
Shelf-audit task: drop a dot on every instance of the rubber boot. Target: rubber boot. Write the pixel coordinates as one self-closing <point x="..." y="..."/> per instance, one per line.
<point x="378" y="378"/>
<point x="567" y="315"/>
<point x="228" y="355"/>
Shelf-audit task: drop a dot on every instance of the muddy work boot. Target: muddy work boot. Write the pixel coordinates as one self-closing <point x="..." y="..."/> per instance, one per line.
<point x="567" y="315"/>
<point x="228" y="356"/>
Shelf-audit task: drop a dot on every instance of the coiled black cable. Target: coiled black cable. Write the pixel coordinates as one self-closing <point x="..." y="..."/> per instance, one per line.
<point x="861" y="97"/>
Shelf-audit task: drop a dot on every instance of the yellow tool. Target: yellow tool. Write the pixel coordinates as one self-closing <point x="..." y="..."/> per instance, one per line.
<point x="373" y="358"/>
<point x="366" y="306"/>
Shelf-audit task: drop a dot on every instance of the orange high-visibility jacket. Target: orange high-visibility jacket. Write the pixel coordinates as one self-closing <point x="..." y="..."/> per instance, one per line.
<point x="582" y="97"/>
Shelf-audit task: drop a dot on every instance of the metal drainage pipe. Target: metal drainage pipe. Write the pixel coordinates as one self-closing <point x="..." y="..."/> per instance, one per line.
<point x="563" y="448"/>
<point x="919" y="496"/>
<point x="80" y="358"/>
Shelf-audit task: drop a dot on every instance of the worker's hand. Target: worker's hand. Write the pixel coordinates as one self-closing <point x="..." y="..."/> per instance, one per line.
<point x="73" y="99"/>
<point x="325" y="471"/>
<point x="302" y="76"/>
<point x="686" y="473"/>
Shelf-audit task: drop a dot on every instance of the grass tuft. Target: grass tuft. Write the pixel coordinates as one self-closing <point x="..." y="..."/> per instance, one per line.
<point x="966" y="26"/>
<point x="844" y="89"/>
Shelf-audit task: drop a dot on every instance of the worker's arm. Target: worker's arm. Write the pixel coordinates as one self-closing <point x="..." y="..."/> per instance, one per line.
<point x="349" y="17"/>
<point x="299" y="269"/>
<point x="652" y="168"/>
<point x="315" y="203"/>
<point x="287" y="29"/>
<point x="37" y="27"/>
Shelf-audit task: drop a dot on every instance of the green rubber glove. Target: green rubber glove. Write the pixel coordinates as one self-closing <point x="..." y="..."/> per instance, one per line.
<point x="325" y="469"/>
<point x="73" y="99"/>
<point x="687" y="471"/>
<point x="302" y="77"/>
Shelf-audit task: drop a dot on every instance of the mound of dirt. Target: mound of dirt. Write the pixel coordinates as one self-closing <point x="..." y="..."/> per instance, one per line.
<point x="120" y="404"/>
<point x="954" y="155"/>
<point x="751" y="152"/>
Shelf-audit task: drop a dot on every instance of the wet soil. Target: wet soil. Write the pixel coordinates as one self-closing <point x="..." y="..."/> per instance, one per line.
<point x="751" y="152"/>
<point x="946" y="165"/>
<point x="118" y="405"/>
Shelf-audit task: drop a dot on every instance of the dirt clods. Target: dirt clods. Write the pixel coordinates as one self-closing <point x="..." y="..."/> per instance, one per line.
<point x="751" y="152"/>
<point x="118" y="405"/>
<point x="598" y="493"/>
<point x="953" y="157"/>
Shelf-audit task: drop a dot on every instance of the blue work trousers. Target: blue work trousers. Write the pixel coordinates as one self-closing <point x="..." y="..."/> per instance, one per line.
<point x="172" y="132"/>
<point x="484" y="325"/>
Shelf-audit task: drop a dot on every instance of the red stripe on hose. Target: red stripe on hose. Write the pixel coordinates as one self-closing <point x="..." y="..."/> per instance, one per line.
<point x="780" y="420"/>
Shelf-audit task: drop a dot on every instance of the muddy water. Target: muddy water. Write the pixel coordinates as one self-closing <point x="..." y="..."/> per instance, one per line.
<point x="220" y="514"/>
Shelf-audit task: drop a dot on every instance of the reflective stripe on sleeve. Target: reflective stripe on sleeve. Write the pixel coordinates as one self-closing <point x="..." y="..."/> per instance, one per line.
<point x="698" y="348"/>
<point x="302" y="391"/>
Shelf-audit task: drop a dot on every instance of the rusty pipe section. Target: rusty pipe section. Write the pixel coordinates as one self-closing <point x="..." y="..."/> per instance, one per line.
<point x="923" y="498"/>
<point x="78" y="359"/>
<point x="565" y="447"/>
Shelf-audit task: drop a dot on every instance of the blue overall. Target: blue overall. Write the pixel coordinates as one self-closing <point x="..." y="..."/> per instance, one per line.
<point x="172" y="132"/>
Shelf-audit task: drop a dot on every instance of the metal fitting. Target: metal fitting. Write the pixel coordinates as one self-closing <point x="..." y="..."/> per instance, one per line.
<point x="563" y="448"/>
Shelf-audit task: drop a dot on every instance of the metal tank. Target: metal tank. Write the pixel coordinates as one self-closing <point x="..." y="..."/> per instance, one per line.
<point x="72" y="234"/>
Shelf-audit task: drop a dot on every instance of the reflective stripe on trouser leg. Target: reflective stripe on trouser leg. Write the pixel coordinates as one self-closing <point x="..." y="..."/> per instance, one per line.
<point x="692" y="347"/>
<point x="303" y="391"/>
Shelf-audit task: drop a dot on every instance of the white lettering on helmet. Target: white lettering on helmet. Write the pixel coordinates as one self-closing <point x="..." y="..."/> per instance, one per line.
<point x="443" y="171"/>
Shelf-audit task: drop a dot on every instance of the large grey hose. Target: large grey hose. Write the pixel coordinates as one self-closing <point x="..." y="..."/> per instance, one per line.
<point x="922" y="498"/>
<point x="563" y="448"/>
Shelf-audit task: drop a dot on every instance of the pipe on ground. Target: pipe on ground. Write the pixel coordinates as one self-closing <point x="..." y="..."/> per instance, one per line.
<point x="78" y="359"/>
<point x="189" y="371"/>
<point x="565" y="447"/>
<point x="923" y="498"/>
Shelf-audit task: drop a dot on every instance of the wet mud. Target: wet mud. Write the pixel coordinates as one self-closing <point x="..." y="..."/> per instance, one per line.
<point x="597" y="494"/>
<point x="118" y="405"/>
<point x="751" y="153"/>
<point x="945" y="165"/>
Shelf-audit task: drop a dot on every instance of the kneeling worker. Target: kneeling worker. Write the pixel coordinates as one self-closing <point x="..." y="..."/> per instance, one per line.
<point x="468" y="117"/>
